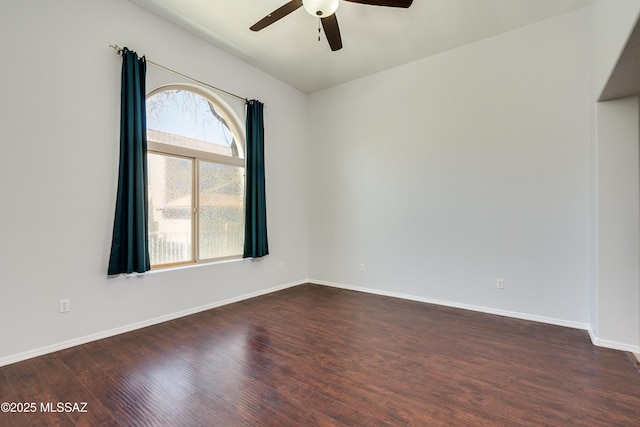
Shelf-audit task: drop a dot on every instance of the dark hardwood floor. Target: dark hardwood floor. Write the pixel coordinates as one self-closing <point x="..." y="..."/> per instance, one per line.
<point x="318" y="356"/>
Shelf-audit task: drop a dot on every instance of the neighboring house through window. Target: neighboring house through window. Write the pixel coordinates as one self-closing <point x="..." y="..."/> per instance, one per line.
<point x="195" y="177"/>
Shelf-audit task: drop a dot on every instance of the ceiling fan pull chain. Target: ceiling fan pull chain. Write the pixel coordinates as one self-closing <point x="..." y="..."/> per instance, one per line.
<point x="325" y="11"/>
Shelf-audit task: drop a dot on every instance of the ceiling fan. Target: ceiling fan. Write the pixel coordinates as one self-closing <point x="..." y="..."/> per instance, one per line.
<point x="325" y="10"/>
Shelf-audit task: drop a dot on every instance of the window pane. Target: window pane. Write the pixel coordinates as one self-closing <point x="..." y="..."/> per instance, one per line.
<point x="186" y="119"/>
<point x="221" y="210"/>
<point x="170" y="209"/>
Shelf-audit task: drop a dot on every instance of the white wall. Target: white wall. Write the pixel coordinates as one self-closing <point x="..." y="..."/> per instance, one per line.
<point x="618" y="220"/>
<point x="440" y="176"/>
<point x="615" y="207"/>
<point x="611" y="22"/>
<point x="60" y="86"/>
<point x="448" y="173"/>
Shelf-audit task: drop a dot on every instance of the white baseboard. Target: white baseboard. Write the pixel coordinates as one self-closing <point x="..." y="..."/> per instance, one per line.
<point x="139" y="325"/>
<point x="612" y="344"/>
<point x="516" y="315"/>
<point x="488" y="310"/>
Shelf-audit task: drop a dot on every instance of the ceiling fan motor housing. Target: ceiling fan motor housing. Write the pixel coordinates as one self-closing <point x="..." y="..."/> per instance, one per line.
<point x="321" y="8"/>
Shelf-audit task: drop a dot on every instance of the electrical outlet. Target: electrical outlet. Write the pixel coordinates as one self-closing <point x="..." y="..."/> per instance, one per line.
<point x="280" y="266"/>
<point x="64" y="305"/>
<point x="500" y="284"/>
<point x="362" y="267"/>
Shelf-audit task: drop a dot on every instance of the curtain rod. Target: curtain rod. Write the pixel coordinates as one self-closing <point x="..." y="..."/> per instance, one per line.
<point x="118" y="50"/>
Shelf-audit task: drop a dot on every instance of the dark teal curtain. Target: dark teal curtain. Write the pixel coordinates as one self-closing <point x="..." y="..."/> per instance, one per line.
<point x="255" y="224"/>
<point x="130" y="241"/>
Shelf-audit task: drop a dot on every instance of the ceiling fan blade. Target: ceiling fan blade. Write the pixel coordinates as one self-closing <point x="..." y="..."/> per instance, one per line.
<point x="389" y="3"/>
<point x="276" y="15"/>
<point x="332" y="31"/>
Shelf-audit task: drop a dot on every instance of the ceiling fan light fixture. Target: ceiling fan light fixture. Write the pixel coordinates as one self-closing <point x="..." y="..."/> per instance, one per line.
<point x="321" y="8"/>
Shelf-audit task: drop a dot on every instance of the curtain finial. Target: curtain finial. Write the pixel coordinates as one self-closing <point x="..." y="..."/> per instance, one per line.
<point x="117" y="49"/>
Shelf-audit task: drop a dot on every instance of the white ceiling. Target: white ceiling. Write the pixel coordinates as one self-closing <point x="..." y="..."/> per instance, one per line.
<point x="374" y="38"/>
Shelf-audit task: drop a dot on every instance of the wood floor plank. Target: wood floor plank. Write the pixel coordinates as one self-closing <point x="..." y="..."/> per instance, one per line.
<point x="29" y="387"/>
<point x="318" y="356"/>
<point x="8" y="395"/>
<point x="78" y="402"/>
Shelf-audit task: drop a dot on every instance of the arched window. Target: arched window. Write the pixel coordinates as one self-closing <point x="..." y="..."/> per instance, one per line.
<point x="195" y="177"/>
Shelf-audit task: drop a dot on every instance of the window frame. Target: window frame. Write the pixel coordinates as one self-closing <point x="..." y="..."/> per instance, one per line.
<point x="196" y="156"/>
